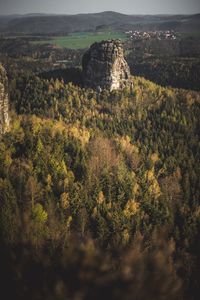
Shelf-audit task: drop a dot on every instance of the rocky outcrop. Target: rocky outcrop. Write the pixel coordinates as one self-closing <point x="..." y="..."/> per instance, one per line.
<point x="104" y="66"/>
<point x="4" y="116"/>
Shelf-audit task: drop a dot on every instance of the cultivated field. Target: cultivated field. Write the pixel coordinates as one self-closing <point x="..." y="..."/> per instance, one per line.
<point x="80" y="40"/>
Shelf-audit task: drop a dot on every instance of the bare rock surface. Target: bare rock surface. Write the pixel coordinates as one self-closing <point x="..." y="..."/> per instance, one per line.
<point x="104" y="66"/>
<point x="4" y="115"/>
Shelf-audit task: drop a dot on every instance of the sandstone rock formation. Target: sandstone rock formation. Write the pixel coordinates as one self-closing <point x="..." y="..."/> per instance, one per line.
<point x="104" y="66"/>
<point x="4" y="116"/>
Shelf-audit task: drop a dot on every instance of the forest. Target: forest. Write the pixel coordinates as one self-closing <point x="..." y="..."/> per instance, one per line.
<point x="174" y="63"/>
<point x="100" y="192"/>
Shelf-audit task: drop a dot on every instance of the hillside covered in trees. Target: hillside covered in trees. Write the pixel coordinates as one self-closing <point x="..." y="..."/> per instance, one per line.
<point x="100" y="192"/>
<point x="45" y="24"/>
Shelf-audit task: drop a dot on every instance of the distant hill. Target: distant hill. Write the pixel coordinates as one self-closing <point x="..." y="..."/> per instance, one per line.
<point x="41" y="23"/>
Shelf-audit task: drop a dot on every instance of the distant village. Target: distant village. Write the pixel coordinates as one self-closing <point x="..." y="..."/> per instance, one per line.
<point x="159" y="35"/>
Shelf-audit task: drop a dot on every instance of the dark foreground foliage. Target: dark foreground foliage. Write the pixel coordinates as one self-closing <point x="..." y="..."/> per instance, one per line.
<point x="100" y="193"/>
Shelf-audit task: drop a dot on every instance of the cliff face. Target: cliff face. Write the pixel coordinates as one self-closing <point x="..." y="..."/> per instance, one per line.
<point x="104" y="66"/>
<point x="4" y="116"/>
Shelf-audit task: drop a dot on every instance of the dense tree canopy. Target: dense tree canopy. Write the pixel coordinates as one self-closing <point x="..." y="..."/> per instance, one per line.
<point x="100" y="188"/>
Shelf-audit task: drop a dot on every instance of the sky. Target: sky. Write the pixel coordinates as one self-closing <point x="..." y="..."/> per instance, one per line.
<point x="89" y="6"/>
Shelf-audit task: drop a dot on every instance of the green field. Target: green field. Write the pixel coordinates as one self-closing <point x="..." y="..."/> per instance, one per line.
<point x="81" y="40"/>
<point x="195" y="34"/>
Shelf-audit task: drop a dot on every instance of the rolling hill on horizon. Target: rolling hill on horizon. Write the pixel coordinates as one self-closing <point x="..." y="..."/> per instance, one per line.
<point x="44" y="23"/>
<point x="99" y="156"/>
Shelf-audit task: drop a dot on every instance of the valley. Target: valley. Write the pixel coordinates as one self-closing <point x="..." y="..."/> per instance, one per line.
<point x="100" y="157"/>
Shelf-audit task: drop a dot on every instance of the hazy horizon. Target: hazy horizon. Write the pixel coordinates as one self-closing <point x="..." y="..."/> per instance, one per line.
<point x="130" y="7"/>
<point x="98" y="12"/>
